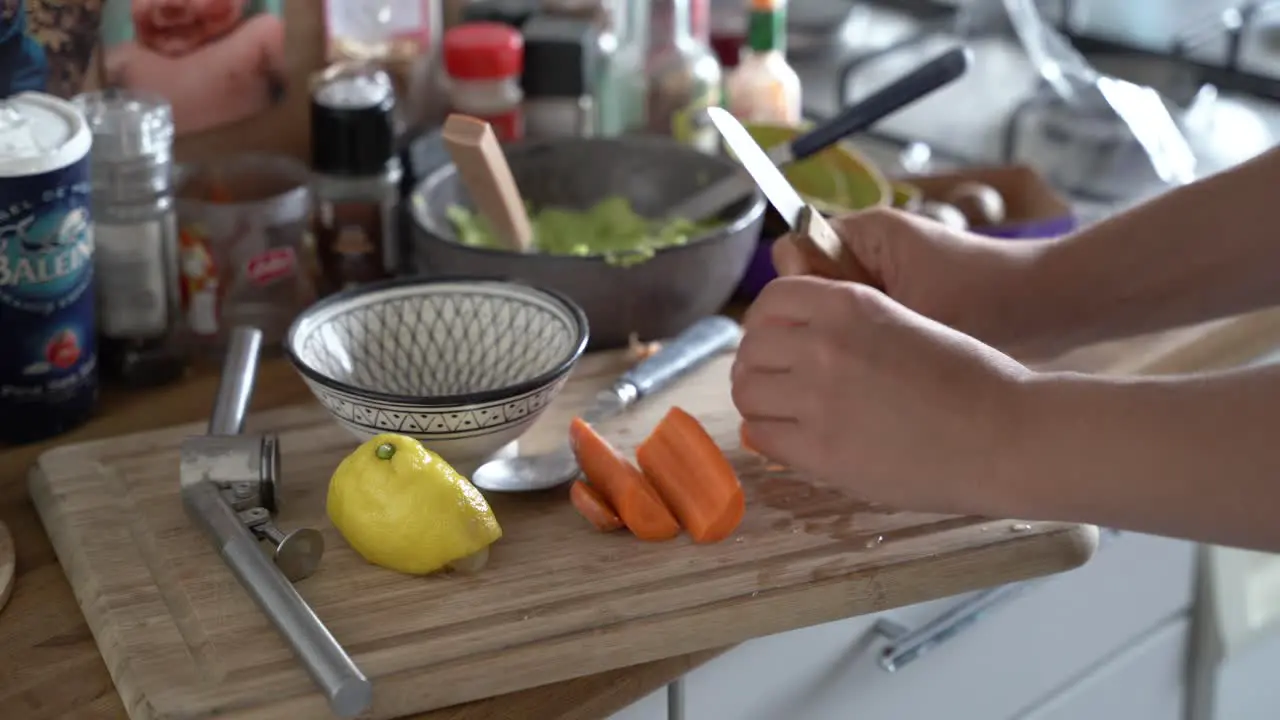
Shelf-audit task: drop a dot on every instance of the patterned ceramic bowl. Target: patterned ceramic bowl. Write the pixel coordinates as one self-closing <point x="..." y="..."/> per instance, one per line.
<point x="464" y="365"/>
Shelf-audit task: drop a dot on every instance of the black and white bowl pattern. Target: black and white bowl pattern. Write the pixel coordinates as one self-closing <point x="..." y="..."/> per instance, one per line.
<point x="464" y="365"/>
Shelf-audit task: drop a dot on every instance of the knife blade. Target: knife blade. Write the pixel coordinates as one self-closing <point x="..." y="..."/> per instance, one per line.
<point x="828" y="253"/>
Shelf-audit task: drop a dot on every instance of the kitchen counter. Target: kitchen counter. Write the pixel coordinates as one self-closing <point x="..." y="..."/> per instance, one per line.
<point x="51" y="663"/>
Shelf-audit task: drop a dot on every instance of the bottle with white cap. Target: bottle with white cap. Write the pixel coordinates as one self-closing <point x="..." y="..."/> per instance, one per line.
<point x="136" y="236"/>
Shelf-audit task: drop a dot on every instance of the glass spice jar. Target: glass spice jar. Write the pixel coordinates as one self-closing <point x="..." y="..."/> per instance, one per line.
<point x="245" y="247"/>
<point x="356" y="179"/>
<point x="136" y="235"/>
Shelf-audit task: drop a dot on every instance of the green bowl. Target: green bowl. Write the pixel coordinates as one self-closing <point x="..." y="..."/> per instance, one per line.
<point x="838" y="179"/>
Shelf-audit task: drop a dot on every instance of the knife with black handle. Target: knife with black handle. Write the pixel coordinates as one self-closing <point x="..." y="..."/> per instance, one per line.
<point x="916" y="84"/>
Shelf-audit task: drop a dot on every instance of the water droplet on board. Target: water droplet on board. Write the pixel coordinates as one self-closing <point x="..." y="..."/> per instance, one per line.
<point x="874" y="541"/>
<point x="1020" y="528"/>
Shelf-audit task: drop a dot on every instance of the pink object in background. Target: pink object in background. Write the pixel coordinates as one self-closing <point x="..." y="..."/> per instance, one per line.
<point x="215" y="61"/>
<point x="176" y="27"/>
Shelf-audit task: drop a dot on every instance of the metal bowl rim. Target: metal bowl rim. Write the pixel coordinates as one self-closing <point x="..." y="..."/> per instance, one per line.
<point x="741" y="221"/>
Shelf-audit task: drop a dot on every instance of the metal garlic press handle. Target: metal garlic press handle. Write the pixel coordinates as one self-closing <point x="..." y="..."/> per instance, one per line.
<point x="349" y="692"/>
<point x="685" y="352"/>
<point x="235" y="385"/>
<point x="907" y="645"/>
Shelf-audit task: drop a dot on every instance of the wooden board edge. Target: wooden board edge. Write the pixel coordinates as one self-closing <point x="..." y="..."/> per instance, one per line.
<point x="1222" y="345"/>
<point x="70" y="554"/>
<point x="594" y="697"/>
<point x="1060" y="548"/>
<point x="8" y="564"/>
<point x="1210" y="346"/>
<point x="969" y="533"/>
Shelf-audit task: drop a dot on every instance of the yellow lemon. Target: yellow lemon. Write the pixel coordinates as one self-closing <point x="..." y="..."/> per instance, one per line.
<point x="402" y="507"/>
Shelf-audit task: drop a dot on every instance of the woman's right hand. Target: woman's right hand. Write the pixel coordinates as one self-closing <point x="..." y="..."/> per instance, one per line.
<point x="979" y="286"/>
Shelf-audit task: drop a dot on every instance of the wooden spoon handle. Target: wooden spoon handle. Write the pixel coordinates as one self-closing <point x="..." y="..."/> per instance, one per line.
<point x="487" y="177"/>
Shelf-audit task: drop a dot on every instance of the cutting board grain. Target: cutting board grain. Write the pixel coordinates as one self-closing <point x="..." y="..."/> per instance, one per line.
<point x="558" y="600"/>
<point x="8" y="564"/>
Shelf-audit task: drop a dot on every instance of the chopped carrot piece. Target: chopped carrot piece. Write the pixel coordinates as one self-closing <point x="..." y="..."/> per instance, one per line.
<point x="621" y="484"/>
<point x="594" y="508"/>
<point x="693" y="477"/>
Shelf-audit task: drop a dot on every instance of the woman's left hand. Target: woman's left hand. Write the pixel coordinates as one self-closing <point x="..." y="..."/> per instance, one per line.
<point x="838" y="381"/>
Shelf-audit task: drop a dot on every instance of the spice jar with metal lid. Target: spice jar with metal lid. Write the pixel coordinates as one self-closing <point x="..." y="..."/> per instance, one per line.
<point x="559" y="67"/>
<point x="484" y="62"/>
<point x="356" y="176"/>
<point x="136" y="236"/>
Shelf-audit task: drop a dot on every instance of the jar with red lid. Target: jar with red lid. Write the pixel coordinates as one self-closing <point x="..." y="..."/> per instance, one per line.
<point x="484" y="61"/>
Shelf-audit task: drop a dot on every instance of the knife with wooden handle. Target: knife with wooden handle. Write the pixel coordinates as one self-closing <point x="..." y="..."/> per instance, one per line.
<point x="824" y="251"/>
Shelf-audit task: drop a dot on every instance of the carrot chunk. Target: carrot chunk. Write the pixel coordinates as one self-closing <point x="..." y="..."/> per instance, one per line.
<point x="621" y="484"/>
<point x="693" y="477"/>
<point x="593" y="507"/>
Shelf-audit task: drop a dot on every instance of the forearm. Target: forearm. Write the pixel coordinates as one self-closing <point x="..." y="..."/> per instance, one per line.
<point x="1197" y="253"/>
<point x="1195" y="457"/>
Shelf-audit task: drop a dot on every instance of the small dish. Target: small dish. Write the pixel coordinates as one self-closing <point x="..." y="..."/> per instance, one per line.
<point x="464" y="365"/>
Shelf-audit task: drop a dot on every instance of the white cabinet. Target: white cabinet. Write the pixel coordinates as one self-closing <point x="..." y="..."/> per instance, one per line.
<point x="1145" y="682"/>
<point x="652" y="707"/>
<point x="1021" y="653"/>
<point x="1238" y="646"/>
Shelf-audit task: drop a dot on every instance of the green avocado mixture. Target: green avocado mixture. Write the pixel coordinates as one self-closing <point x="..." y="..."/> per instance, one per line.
<point x="611" y="229"/>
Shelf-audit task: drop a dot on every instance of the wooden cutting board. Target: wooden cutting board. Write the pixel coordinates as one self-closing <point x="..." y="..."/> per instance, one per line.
<point x="8" y="564"/>
<point x="557" y="601"/>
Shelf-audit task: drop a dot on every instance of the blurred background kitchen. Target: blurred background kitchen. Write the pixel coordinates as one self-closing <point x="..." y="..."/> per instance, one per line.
<point x="252" y="156"/>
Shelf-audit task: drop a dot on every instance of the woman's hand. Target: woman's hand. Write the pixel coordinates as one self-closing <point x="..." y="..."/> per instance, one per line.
<point x="837" y="380"/>
<point x="978" y="285"/>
